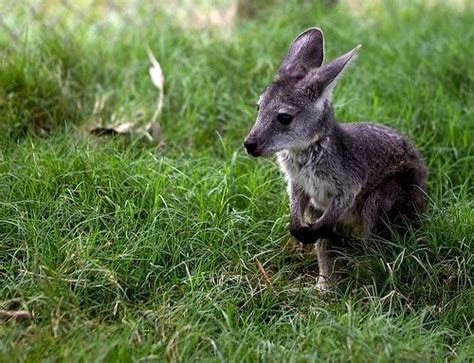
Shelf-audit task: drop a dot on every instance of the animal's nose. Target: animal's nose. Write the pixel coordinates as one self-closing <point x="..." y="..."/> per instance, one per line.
<point x="250" y="145"/>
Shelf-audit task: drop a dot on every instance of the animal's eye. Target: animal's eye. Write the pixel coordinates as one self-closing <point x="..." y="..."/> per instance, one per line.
<point x="258" y="106"/>
<point x="284" y="118"/>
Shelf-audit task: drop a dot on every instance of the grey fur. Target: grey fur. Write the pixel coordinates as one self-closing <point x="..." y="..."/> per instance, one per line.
<point x="355" y="179"/>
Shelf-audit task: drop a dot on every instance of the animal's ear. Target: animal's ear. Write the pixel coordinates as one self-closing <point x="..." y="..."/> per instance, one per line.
<point x="327" y="75"/>
<point x="305" y="53"/>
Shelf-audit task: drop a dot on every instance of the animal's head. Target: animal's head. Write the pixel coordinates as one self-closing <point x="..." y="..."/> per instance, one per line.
<point x="291" y="108"/>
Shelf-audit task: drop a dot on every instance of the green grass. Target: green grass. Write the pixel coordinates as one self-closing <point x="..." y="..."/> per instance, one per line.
<point x="122" y="252"/>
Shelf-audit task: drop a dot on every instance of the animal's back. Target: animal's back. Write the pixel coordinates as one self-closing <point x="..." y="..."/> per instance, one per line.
<point x="382" y="152"/>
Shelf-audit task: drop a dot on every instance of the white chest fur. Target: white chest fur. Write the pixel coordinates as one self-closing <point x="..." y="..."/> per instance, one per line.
<point x="302" y="173"/>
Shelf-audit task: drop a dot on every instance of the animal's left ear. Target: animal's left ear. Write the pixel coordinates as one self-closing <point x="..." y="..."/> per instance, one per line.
<point x="327" y="75"/>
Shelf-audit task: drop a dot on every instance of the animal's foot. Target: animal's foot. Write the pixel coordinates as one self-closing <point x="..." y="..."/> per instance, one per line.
<point x="324" y="285"/>
<point x="327" y="286"/>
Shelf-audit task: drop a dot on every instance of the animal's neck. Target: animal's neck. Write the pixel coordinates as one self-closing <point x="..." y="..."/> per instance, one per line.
<point x="327" y="121"/>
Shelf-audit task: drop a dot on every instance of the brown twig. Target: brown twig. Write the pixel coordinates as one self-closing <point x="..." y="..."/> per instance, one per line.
<point x="268" y="281"/>
<point x="19" y="315"/>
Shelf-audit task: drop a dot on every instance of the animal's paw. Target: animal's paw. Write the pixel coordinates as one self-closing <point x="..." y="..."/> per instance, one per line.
<point x="324" y="231"/>
<point x="304" y="234"/>
<point x="310" y="234"/>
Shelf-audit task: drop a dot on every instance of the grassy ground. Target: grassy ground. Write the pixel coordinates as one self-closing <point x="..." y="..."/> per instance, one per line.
<point x="124" y="253"/>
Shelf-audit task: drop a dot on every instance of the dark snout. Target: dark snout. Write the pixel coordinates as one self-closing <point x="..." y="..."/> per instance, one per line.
<point x="251" y="145"/>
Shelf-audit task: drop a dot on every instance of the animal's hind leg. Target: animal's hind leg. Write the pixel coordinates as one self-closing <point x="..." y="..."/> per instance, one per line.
<point x="396" y="200"/>
<point x="381" y="208"/>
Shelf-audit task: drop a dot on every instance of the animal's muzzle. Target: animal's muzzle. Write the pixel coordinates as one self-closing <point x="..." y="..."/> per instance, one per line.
<point x="252" y="146"/>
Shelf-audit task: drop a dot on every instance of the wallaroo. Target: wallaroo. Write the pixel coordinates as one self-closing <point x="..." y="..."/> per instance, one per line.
<point x="350" y="180"/>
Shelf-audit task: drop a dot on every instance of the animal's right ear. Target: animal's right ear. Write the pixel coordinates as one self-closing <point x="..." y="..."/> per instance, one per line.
<point x="306" y="53"/>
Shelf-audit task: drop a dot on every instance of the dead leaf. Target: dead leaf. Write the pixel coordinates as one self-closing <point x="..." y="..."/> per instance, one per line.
<point x="152" y="131"/>
<point x="158" y="80"/>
